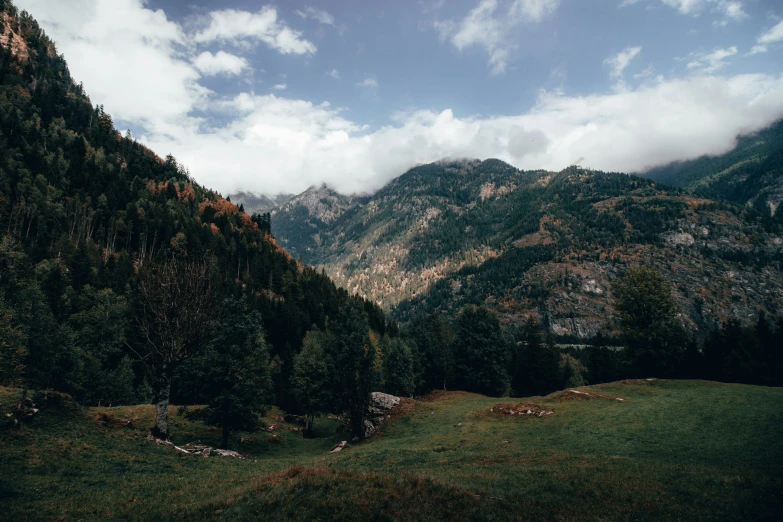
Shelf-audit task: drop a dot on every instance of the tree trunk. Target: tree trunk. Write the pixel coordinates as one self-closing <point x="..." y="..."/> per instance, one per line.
<point x="160" y="427"/>
<point x="308" y="431"/>
<point x="224" y="444"/>
<point x="23" y="401"/>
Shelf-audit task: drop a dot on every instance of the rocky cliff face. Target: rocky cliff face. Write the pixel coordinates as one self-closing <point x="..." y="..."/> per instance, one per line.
<point x="548" y="244"/>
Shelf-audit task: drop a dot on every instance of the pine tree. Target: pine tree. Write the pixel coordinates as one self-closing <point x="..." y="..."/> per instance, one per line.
<point x="351" y="357"/>
<point x="310" y="379"/>
<point x="397" y="367"/>
<point x="481" y="354"/>
<point x="649" y="315"/>
<point x="232" y="375"/>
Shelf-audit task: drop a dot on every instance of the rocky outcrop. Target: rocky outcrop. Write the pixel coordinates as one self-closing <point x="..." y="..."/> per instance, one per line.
<point x="378" y="411"/>
<point x="322" y="203"/>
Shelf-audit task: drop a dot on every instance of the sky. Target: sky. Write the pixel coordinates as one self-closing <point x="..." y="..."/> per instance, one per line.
<point x="276" y="97"/>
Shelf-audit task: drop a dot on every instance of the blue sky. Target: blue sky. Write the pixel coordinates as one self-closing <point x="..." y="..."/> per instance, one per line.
<point x="275" y="97"/>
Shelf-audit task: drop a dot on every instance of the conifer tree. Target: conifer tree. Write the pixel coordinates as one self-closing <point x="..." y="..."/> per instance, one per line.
<point x="232" y="375"/>
<point x="481" y="354"/>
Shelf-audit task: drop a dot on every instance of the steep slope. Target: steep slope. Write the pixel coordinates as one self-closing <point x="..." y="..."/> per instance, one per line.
<point x="83" y="208"/>
<point x="453" y="233"/>
<point x="302" y="218"/>
<point x="751" y="173"/>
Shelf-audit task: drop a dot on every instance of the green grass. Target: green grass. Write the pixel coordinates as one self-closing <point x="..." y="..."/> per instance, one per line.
<point x="674" y="450"/>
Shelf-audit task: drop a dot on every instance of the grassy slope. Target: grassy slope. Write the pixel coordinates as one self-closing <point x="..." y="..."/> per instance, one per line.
<point x="674" y="450"/>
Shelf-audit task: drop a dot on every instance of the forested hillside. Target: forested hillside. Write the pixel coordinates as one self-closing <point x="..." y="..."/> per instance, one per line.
<point x="750" y="174"/>
<point x="453" y="233"/>
<point x="122" y="280"/>
<point x="119" y="274"/>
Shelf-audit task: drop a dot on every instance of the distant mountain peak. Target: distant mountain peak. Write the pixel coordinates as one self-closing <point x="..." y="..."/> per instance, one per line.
<point x="321" y="201"/>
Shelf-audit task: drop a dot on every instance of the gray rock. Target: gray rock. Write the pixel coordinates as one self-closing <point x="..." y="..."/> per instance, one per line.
<point x="369" y="429"/>
<point x="383" y="401"/>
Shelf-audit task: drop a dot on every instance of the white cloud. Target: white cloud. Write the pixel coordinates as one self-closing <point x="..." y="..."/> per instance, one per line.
<point x="773" y="35"/>
<point x="220" y="63"/>
<point x="488" y="26"/>
<point x="136" y="64"/>
<point x="431" y="6"/>
<point x="369" y="82"/>
<point x="620" y="61"/>
<point x="231" y="25"/>
<point x="275" y="144"/>
<point x="710" y="62"/>
<point x="334" y="73"/>
<point x="687" y="6"/>
<point x="647" y="73"/>
<point x="126" y="56"/>
<point x="280" y="87"/>
<point x="730" y="10"/>
<point x="319" y="15"/>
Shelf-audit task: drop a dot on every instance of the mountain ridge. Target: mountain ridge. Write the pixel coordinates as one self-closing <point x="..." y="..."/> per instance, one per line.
<point x="446" y="229"/>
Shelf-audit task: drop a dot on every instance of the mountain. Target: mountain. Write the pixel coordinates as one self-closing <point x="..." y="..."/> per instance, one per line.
<point x="301" y="218"/>
<point x="750" y="174"/>
<point x="253" y="203"/>
<point x="534" y="242"/>
<point x="83" y="211"/>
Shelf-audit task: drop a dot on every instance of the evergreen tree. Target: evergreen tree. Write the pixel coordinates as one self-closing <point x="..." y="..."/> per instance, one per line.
<point x="480" y="353"/>
<point x="649" y="315"/>
<point x="233" y="373"/>
<point x="397" y="367"/>
<point x="12" y="348"/>
<point x="430" y="341"/>
<point x="351" y="357"/>
<point x="539" y="372"/>
<point x="311" y="377"/>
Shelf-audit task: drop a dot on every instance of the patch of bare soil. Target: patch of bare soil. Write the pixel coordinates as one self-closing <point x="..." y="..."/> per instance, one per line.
<point x="579" y="395"/>
<point x="110" y="421"/>
<point x="521" y="408"/>
<point x="445" y="395"/>
<point x="406" y="406"/>
<point x="638" y="381"/>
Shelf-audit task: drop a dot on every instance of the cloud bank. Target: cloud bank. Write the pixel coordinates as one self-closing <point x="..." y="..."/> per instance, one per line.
<point x="143" y="68"/>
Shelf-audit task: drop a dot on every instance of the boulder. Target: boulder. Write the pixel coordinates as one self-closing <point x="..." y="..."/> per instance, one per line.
<point x="339" y="446"/>
<point x="378" y="411"/>
<point x="383" y="402"/>
<point x="227" y="453"/>
<point x="369" y="429"/>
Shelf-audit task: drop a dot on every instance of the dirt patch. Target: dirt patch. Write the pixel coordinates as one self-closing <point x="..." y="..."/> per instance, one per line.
<point x="579" y="395"/>
<point x="521" y="408"/>
<point x="445" y="395"/>
<point x="406" y="406"/>
<point x="638" y="381"/>
<point x="536" y="238"/>
<point x="110" y="421"/>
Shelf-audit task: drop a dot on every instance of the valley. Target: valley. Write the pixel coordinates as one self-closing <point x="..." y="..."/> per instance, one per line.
<point x="533" y="242"/>
<point x="465" y="338"/>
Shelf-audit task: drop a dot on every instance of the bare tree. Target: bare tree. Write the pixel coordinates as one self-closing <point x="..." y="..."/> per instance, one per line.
<point x="175" y="316"/>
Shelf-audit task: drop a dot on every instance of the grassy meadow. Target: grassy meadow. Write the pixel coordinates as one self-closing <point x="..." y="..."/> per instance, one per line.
<point x="671" y="450"/>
